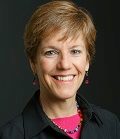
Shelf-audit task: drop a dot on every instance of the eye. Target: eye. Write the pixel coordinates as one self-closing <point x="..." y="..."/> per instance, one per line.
<point x="51" y="53"/>
<point x="75" y="51"/>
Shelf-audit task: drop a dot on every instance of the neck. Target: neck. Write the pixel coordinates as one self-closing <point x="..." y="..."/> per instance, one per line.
<point x="58" y="108"/>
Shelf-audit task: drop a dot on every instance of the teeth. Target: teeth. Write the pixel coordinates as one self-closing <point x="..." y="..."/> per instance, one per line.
<point x="65" y="78"/>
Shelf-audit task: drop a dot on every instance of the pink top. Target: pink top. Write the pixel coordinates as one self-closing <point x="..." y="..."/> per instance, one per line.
<point x="69" y="123"/>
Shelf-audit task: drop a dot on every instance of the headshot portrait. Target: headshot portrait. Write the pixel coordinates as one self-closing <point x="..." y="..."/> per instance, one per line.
<point x="61" y="50"/>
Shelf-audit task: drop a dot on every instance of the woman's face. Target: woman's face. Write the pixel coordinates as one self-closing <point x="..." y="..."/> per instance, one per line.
<point x="60" y="66"/>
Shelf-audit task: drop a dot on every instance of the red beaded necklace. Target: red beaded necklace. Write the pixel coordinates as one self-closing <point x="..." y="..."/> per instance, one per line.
<point x="76" y="128"/>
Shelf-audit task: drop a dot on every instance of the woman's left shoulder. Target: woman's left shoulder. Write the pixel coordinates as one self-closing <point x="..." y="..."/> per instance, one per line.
<point x="105" y="115"/>
<point x="110" y="126"/>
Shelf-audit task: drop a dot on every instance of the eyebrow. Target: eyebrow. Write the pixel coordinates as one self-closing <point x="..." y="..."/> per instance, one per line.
<point x="74" y="46"/>
<point x="49" y="47"/>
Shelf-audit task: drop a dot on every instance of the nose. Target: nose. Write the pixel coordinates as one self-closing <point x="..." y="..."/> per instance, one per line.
<point x="64" y="62"/>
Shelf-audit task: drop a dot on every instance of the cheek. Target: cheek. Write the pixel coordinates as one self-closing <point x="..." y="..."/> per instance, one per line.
<point x="45" y="66"/>
<point x="81" y="65"/>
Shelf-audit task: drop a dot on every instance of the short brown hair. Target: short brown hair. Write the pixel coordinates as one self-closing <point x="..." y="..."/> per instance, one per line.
<point x="56" y="16"/>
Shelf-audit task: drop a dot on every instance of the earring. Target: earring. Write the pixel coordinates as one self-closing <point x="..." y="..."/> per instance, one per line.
<point x="86" y="78"/>
<point x="35" y="80"/>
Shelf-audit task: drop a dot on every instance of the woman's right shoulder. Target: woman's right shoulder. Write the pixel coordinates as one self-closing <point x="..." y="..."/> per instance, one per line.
<point x="13" y="129"/>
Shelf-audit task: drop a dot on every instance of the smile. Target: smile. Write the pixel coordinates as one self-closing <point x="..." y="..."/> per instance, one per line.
<point x="64" y="78"/>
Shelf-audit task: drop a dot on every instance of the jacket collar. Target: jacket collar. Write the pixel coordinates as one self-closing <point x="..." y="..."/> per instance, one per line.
<point x="35" y="120"/>
<point x="89" y="111"/>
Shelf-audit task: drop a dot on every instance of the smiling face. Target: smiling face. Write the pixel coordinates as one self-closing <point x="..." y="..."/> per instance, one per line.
<point x="60" y="66"/>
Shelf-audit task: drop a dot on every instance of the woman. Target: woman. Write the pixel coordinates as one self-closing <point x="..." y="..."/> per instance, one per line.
<point x="59" y="42"/>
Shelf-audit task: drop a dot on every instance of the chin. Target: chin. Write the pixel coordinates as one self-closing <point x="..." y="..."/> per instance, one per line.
<point x="66" y="95"/>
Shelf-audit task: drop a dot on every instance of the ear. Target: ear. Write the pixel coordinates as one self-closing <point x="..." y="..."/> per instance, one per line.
<point x="33" y="68"/>
<point x="87" y="65"/>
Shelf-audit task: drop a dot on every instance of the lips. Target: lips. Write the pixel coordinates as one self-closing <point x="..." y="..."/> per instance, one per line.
<point x="64" y="77"/>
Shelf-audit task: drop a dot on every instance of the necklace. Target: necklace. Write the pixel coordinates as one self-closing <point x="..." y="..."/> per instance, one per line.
<point x="76" y="128"/>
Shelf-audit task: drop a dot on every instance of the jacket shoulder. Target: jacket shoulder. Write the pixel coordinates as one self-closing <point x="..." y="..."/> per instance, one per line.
<point x="104" y="114"/>
<point x="13" y="129"/>
<point x="109" y="120"/>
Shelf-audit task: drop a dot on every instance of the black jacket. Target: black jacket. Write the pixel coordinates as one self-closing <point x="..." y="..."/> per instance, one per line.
<point x="32" y="123"/>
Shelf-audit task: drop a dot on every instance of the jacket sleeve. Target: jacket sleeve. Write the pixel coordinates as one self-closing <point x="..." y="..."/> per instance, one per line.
<point x="12" y="130"/>
<point x="117" y="128"/>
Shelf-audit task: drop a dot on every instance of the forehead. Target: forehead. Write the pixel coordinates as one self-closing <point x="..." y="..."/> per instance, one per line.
<point x="60" y="38"/>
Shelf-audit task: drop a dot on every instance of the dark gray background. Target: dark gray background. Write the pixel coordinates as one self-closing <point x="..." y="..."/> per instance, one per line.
<point x="16" y="77"/>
